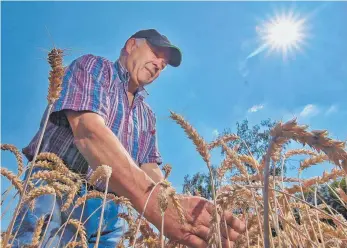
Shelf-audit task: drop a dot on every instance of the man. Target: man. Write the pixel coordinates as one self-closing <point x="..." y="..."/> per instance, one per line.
<point x="102" y="118"/>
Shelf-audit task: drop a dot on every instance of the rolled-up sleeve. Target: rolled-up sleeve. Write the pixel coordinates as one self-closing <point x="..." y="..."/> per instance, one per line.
<point x="84" y="88"/>
<point x="153" y="154"/>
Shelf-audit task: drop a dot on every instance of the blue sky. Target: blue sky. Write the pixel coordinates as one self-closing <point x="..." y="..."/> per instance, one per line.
<point x="213" y="88"/>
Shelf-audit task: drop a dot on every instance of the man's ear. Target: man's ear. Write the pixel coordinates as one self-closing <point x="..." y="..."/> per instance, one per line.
<point x="130" y="45"/>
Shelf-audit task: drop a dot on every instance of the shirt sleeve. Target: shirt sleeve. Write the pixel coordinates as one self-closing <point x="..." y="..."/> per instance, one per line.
<point x="154" y="155"/>
<point x="84" y="88"/>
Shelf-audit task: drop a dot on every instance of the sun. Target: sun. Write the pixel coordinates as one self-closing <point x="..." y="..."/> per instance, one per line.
<point x="284" y="33"/>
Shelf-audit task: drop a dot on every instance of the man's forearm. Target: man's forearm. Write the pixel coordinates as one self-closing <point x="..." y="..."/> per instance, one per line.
<point x="153" y="171"/>
<point x="99" y="145"/>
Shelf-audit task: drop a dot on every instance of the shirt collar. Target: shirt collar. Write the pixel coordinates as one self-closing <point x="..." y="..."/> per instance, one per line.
<point x="124" y="77"/>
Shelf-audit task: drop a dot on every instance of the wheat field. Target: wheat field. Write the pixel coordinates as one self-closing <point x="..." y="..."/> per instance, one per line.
<point x="274" y="207"/>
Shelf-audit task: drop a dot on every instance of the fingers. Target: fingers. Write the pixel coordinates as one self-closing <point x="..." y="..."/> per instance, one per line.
<point x="228" y="232"/>
<point x="195" y="242"/>
<point x="201" y="236"/>
<point x="202" y="232"/>
<point x="233" y="222"/>
<point x="227" y="243"/>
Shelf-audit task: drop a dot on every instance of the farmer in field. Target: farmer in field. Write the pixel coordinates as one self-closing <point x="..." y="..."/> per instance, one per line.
<point x="102" y="118"/>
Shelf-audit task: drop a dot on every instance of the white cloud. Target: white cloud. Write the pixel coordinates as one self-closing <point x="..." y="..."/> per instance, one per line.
<point x="215" y="133"/>
<point x="332" y="109"/>
<point x="255" y="108"/>
<point x="309" y="111"/>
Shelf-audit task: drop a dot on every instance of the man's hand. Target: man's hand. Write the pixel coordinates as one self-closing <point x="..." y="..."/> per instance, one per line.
<point x="195" y="232"/>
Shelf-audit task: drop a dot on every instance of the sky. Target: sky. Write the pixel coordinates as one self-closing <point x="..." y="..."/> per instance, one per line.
<point x="225" y="76"/>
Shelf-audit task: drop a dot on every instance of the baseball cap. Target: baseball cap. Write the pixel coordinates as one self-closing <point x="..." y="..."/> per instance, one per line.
<point x="158" y="40"/>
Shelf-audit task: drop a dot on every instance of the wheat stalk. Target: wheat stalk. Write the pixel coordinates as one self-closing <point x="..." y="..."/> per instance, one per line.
<point x="55" y="175"/>
<point x="234" y="157"/>
<point x="36" y="192"/>
<point x="38" y="230"/>
<point x="163" y="203"/>
<point x="177" y="205"/>
<point x="14" y="179"/>
<point x="53" y="162"/>
<point x="102" y="171"/>
<point x="225" y="139"/>
<point x="316" y="139"/>
<point x="17" y="154"/>
<point x="98" y="194"/>
<point x="199" y="142"/>
<point x="202" y="148"/>
<point x="80" y="230"/>
<point x="107" y="171"/>
<point x="73" y="244"/>
<point x="167" y="170"/>
<point x="313" y="160"/>
<point x="55" y="60"/>
<point x="343" y="196"/>
<point x="281" y="133"/>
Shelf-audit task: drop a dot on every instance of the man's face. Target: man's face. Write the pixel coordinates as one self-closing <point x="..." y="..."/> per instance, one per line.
<point x="144" y="62"/>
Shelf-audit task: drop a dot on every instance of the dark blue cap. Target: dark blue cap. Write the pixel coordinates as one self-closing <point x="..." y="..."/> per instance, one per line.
<point x="158" y="40"/>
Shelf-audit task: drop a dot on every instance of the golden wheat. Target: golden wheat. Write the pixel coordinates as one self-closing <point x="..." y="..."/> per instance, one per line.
<point x="102" y="171"/>
<point x="17" y="154"/>
<point x="293" y="221"/>
<point x="38" y="230"/>
<point x="225" y="139"/>
<point x="81" y="231"/>
<point x="14" y="179"/>
<point x="199" y="142"/>
<point x="36" y="192"/>
<point x="167" y="170"/>
<point x="55" y="59"/>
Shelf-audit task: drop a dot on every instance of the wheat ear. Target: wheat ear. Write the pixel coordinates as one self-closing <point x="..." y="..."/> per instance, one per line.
<point x="143" y="212"/>
<point x="52" y="161"/>
<point x="80" y="230"/>
<point x="199" y="142"/>
<point x="17" y="154"/>
<point x="107" y="171"/>
<point x="73" y="244"/>
<point x="202" y="148"/>
<point x="225" y="139"/>
<point x="14" y="179"/>
<point x="38" y="230"/>
<point x="55" y="60"/>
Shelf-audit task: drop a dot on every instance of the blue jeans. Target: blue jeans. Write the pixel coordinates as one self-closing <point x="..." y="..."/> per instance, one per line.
<point x="112" y="229"/>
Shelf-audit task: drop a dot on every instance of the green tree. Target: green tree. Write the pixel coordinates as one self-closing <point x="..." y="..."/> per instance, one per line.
<point x="254" y="139"/>
<point x="199" y="184"/>
<point x="329" y="196"/>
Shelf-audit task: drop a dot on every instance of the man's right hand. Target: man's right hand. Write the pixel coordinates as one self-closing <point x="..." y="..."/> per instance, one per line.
<point x="195" y="232"/>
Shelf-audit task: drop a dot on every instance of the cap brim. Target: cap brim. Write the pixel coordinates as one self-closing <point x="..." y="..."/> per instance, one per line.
<point x="175" y="55"/>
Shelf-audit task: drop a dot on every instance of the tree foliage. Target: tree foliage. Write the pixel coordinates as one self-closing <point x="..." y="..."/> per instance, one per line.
<point x="254" y="139"/>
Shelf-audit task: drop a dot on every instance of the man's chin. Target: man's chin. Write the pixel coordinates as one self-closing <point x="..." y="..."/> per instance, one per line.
<point x="144" y="83"/>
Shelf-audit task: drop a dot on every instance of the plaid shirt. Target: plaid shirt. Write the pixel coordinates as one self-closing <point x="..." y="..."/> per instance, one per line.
<point x="95" y="84"/>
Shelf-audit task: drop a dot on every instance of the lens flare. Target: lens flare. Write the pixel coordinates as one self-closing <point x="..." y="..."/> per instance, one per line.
<point x="284" y="33"/>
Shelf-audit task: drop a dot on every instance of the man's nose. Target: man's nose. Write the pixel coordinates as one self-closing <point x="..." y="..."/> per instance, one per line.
<point x="159" y="64"/>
